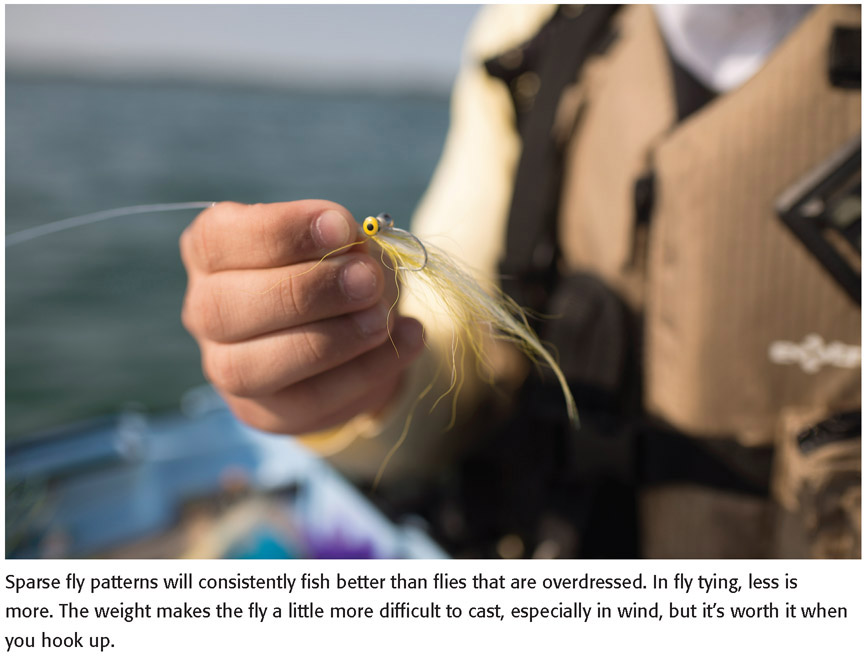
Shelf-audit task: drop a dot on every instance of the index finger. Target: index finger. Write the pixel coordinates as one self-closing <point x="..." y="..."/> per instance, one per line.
<point x="236" y="236"/>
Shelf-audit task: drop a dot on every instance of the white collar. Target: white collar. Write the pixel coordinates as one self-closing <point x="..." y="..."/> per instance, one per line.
<point x="725" y="45"/>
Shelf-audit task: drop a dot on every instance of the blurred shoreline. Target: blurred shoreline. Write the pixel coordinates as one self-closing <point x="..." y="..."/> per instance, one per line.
<point x="401" y="89"/>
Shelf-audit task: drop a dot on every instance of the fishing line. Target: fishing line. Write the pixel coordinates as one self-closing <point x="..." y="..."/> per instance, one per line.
<point x="23" y="236"/>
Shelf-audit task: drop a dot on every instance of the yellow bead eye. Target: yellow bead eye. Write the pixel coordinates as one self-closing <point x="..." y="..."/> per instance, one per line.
<point x="370" y="226"/>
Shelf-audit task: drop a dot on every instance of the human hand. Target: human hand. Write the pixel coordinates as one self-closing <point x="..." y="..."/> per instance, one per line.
<point x="293" y="346"/>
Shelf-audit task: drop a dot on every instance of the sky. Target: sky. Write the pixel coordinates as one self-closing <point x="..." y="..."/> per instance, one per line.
<point x="323" y="45"/>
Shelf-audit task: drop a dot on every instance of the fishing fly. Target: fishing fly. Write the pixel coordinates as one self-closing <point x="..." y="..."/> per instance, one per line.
<point x="462" y="298"/>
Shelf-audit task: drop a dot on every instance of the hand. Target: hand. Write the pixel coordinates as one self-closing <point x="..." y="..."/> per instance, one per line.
<point x="292" y="345"/>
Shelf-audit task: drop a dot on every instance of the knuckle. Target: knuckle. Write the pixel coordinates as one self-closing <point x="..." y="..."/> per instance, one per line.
<point x="191" y="313"/>
<point x="186" y="246"/>
<point x="202" y="314"/>
<point x="260" y="417"/>
<point x="225" y="372"/>
<point x="252" y="416"/>
<point x="311" y="347"/>
<point x="246" y="416"/>
<point x="188" y="317"/>
<point x="291" y="301"/>
<point x="194" y="253"/>
<point x="212" y="321"/>
<point x="200" y="242"/>
<point x="203" y="246"/>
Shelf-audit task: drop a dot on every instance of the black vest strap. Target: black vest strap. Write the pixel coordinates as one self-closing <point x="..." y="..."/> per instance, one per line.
<point x="537" y="74"/>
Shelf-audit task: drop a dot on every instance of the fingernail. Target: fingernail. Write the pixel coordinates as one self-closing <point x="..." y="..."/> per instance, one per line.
<point x="331" y="229"/>
<point x="371" y="321"/>
<point x="358" y="281"/>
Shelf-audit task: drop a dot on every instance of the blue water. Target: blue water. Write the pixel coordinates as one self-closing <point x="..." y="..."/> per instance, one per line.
<point x="93" y="315"/>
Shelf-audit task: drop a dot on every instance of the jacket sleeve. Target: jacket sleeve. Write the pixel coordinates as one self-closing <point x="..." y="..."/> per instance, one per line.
<point x="463" y="212"/>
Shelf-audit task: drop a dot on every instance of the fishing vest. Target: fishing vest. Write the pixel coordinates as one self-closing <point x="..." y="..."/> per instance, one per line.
<point x="714" y="250"/>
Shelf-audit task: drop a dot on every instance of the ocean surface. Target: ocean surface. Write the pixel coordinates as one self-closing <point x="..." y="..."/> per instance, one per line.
<point x="93" y="314"/>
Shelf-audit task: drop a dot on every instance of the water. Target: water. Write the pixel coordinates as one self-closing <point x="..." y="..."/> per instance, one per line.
<point x="93" y="315"/>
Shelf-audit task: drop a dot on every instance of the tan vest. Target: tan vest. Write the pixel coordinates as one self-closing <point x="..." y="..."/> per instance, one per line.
<point x="720" y="281"/>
